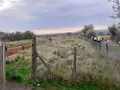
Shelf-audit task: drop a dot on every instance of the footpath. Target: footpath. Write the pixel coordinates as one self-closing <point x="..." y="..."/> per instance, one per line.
<point x="13" y="86"/>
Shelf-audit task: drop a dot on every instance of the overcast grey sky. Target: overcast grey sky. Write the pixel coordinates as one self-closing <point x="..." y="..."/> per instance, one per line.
<point x="53" y="14"/>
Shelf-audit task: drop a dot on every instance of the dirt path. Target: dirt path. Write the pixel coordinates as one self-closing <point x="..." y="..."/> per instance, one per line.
<point x="13" y="86"/>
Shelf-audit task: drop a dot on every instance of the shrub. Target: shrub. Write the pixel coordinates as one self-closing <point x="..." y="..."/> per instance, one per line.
<point x="7" y="62"/>
<point x="69" y="62"/>
<point x="51" y="61"/>
<point x="90" y="33"/>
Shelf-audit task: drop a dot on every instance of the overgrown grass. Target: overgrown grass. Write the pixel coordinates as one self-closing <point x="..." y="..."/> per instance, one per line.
<point x="20" y="75"/>
<point x="60" y="84"/>
<point x="92" y="66"/>
<point x="19" y="71"/>
<point x="18" y="43"/>
<point x="95" y="71"/>
<point x="68" y="42"/>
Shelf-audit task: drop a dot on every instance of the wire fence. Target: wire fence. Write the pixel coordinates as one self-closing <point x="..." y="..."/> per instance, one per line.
<point x="76" y="59"/>
<point x="112" y="50"/>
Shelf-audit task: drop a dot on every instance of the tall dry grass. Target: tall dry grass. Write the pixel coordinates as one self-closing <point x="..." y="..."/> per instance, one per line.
<point x="92" y="66"/>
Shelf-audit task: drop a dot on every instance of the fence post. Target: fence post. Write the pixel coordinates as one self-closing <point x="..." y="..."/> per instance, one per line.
<point x="34" y="61"/>
<point x="100" y="46"/>
<point x="74" y="65"/>
<point x="107" y="48"/>
<point x="95" y="45"/>
<point x="2" y="64"/>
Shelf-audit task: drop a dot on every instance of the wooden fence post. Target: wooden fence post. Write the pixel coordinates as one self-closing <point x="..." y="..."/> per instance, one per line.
<point x="107" y="48"/>
<point x="34" y="61"/>
<point x="74" y="65"/>
<point x="2" y="64"/>
<point x="95" y="45"/>
<point x="100" y="46"/>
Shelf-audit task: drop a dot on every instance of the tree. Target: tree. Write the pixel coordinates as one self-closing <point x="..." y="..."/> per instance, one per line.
<point x="18" y="36"/>
<point x="28" y="35"/>
<point x="115" y="32"/>
<point x="88" y="31"/>
<point x="108" y="34"/>
<point x="101" y="33"/>
<point x="116" y="8"/>
<point x="88" y="27"/>
<point x="115" y="29"/>
<point x="118" y="27"/>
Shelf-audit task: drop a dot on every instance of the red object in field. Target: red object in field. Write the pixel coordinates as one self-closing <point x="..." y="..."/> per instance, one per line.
<point x="12" y="51"/>
<point x="15" y="50"/>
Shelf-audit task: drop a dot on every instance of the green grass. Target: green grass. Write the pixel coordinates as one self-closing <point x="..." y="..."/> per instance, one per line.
<point x="67" y="42"/>
<point x="19" y="71"/>
<point x="60" y="84"/>
<point x="18" y="43"/>
<point x="19" y="75"/>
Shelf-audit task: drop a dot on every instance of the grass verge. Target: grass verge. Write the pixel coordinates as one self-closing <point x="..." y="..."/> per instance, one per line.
<point x="22" y="75"/>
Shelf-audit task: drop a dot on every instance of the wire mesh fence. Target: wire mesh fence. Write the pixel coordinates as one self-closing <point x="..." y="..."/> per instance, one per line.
<point x="112" y="50"/>
<point x="80" y="60"/>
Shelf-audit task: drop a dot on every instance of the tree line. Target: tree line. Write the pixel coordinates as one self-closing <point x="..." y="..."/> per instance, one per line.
<point x="114" y="32"/>
<point x="16" y="36"/>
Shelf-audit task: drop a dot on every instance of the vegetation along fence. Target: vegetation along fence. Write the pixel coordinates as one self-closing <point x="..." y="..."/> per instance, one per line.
<point x="111" y="50"/>
<point x="75" y="59"/>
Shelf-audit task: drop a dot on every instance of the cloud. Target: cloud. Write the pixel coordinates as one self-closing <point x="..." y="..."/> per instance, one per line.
<point x="53" y="14"/>
<point x="6" y="4"/>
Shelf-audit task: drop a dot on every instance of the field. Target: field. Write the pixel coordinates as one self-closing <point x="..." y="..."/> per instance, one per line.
<point x="17" y="43"/>
<point x="93" y="69"/>
<point x="106" y="37"/>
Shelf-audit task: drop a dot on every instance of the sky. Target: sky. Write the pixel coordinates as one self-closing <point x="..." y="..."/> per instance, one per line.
<point x="54" y="16"/>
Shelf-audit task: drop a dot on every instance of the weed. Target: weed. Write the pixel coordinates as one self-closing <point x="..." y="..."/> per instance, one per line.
<point x="51" y="61"/>
<point x="16" y="59"/>
<point x="17" y="74"/>
<point x="33" y="81"/>
<point x="60" y="84"/>
<point x="54" y="52"/>
<point x="69" y="62"/>
<point x="7" y="62"/>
